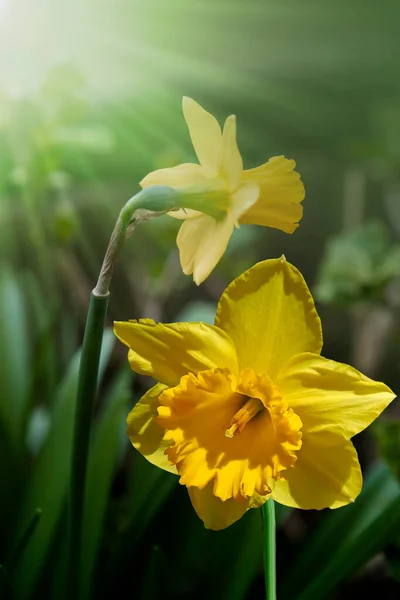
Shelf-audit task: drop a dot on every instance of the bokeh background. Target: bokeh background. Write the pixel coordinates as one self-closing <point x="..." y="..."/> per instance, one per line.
<point x="90" y="102"/>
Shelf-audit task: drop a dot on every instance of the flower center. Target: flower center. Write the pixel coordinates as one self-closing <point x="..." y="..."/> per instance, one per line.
<point x="239" y="434"/>
<point x="243" y="416"/>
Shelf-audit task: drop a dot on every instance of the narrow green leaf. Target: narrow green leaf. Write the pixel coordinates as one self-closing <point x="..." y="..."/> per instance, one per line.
<point x="215" y="564"/>
<point x="48" y="484"/>
<point x="346" y="538"/>
<point x="11" y="476"/>
<point x="156" y="580"/>
<point x="5" y="587"/>
<point x="14" y="351"/>
<point x="148" y="491"/>
<point x="246" y="559"/>
<point x="18" y="550"/>
<point x="150" y="488"/>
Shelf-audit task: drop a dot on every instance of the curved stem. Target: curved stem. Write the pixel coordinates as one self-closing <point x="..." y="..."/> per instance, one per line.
<point x="148" y="203"/>
<point x="151" y="202"/>
<point x="268" y="511"/>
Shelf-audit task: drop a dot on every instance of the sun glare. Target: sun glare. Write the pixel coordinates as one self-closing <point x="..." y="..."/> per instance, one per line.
<point x="3" y="6"/>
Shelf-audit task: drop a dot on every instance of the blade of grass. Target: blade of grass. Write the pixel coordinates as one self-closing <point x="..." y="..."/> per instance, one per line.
<point x="148" y="491"/>
<point x="16" y="553"/>
<point x="5" y="587"/>
<point x="14" y="351"/>
<point x="155" y="583"/>
<point x="48" y="483"/>
<point x="346" y="538"/>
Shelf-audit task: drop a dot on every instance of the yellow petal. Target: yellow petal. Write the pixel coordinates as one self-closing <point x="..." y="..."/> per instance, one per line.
<point x="169" y="351"/>
<point x="202" y="241"/>
<point x="327" y="474"/>
<point x="180" y="176"/>
<point x="281" y="194"/>
<point x="331" y="396"/>
<point x="256" y="501"/>
<point x="269" y="314"/>
<point x="184" y="213"/>
<point x="232" y="163"/>
<point x="243" y="199"/>
<point x="145" y="433"/>
<point x="214" y="513"/>
<point x="205" y="134"/>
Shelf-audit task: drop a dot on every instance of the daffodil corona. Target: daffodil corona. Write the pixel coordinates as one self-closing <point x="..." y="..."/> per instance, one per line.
<point x="247" y="409"/>
<point x="269" y="195"/>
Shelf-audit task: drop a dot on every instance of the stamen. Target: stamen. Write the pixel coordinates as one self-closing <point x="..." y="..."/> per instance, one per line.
<point x="243" y="416"/>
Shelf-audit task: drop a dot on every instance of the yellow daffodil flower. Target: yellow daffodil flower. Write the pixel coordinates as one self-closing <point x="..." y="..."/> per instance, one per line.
<point x="269" y="195"/>
<point x="247" y="409"/>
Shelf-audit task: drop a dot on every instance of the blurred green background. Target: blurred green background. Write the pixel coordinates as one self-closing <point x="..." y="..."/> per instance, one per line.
<point x="90" y="102"/>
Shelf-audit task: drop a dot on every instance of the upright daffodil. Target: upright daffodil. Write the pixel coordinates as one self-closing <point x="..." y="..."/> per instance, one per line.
<point x="247" y="409"/>
<point x="269" y="195"/>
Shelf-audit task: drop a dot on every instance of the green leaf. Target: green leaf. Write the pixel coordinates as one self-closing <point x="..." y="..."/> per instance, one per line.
<point x="246" y="557"/>
<point x="15" y="374"/>
<point x="387" y="433"/>
<point x="149" y="489"/>
<point x="346" y="538"/>
<point x="47" y="486"/>
<point x="5" y="587"/>
<point x="156" y="580"/>
<point x="390" y="266"/>
<point x="16" y="553"/>
<point x="357" y="266"/>
<point x="220" y="564"/>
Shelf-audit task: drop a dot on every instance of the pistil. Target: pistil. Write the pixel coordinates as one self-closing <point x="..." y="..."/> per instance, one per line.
<point x="243" y="416"/>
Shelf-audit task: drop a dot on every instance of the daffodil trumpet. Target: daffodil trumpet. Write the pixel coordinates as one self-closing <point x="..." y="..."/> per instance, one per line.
<point x="226" y="195"/>
<point x="247" y="410"/>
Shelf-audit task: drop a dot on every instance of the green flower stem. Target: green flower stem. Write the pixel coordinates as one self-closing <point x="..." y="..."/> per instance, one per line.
<point x="148" y="203"/>
<point x="268" y="511"/>
<point x="151" y="202"/>
<point x="87" y="386"/>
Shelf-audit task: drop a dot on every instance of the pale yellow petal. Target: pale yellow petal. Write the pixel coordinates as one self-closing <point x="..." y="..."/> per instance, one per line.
<point x="205" y="134"/>
<point x="269" y="314"/>
<point x="256" y="501"/>
<point x="169" y="351"/>
<point x="214" y="513"/>
<point x="330" y="396"/>
<point x="281" y="194"/>
<point x="245" y="197"/>
<point x="202" y="241"/>
<point x="327" y="474"/>
<point x="184" y="213"/>
<point x="145" y="433"/>
<point x="185" y="175"/>
<point x="232" y="163"/>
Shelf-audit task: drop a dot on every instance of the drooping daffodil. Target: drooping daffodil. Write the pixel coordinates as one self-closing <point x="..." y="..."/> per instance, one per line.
<point x="268" y="195"/>
<point x="247" y="409"/>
